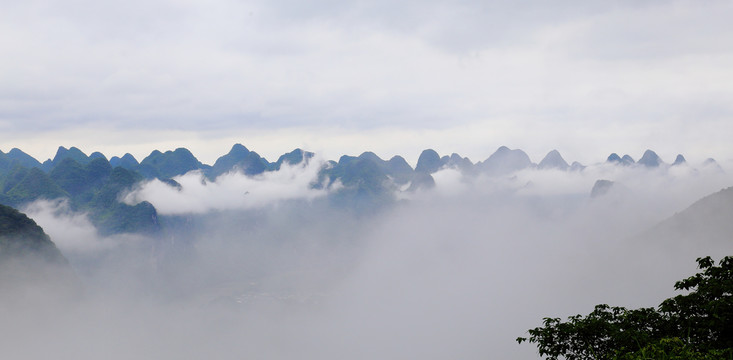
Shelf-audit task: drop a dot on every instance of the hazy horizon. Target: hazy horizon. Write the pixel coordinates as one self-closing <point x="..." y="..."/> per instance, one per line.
<point x="344" y="78"/>
<point x="285" y="264"/>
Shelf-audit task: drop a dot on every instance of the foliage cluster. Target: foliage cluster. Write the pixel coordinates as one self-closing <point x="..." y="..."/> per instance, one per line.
<point x="695" y="325"/>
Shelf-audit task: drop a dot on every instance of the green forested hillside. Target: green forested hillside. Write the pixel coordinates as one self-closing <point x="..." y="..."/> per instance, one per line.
<point x="93" y="187"/>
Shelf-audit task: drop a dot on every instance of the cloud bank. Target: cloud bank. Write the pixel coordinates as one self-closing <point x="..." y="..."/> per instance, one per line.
<point x="457" y="272"/>
<point x="230" y="191"/>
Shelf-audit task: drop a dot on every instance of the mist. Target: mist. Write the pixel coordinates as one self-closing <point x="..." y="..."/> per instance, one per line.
<point x="458" y="271"/>
<point x="230" y="191"/>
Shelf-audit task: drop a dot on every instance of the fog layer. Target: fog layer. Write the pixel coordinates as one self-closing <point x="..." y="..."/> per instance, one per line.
<point x="458" y="271"/>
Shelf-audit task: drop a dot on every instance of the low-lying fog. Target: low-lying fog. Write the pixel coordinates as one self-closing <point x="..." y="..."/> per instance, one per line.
<point x="264" y="268"/>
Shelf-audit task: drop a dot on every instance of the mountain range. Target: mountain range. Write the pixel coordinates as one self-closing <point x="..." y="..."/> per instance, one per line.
<point x="94" y="184"/>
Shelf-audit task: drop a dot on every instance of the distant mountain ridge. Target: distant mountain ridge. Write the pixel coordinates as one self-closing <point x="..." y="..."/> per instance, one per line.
<point x="177" y="162"/>
<point x="94" y="184"/>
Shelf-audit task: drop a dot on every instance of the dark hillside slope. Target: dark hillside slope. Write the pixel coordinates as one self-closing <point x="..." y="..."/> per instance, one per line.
<point x="19" y="235"/>
<point x="31" y="267"/>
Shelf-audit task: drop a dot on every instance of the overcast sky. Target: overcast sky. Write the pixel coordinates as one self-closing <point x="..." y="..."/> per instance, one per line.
<point x="586" y="78"/>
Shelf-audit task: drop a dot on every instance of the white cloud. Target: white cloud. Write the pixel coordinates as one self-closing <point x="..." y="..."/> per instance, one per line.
<point x="230" y="191"/>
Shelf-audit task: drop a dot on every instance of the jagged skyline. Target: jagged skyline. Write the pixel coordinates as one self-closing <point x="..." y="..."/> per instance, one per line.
<point x="552" y="160"/>
<point x="351" y="77"/>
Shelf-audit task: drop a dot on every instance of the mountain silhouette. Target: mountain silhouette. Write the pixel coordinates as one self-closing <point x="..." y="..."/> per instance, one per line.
<point x="553" y="160"/>
<point x="428" y="162"/>
<point x="650" y="159"/>
<point x="169" y="163"/>
<point x="504" y="161"/>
